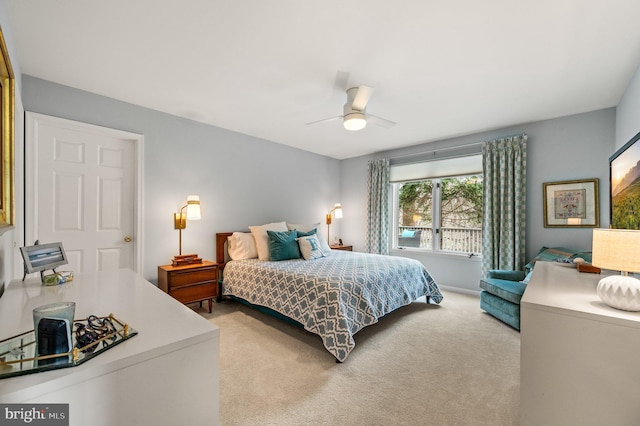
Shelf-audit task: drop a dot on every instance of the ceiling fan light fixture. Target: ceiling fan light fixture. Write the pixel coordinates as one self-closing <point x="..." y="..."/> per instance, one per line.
<point x="355" y="121"/>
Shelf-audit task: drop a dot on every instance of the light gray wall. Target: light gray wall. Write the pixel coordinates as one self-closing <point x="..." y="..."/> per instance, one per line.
<point x="567" y="148"/>
<point x="628" y="112"/>
<point x="241" y="180"/>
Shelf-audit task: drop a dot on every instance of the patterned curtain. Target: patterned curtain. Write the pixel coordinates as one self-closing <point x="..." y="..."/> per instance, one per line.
<point x="504" y="164"/>
<point x="378" y="207"/>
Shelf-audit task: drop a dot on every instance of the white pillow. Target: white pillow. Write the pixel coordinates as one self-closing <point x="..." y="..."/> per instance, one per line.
<point x="310" y="247"/>
<point x="262" y="239"/>
<point x="242" y="245"/>
<point x="324" y="245"/>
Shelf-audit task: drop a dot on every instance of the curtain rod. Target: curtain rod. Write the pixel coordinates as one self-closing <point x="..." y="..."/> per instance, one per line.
<point x="451" y="148"/>
<point x="435" y="151"/>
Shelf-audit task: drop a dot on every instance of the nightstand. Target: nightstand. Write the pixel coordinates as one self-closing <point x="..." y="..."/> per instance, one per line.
<point x="190" y="283"/>
<point x="341" y="247"/>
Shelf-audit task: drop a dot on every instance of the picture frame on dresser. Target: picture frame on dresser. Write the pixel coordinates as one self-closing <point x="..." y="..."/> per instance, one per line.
<point x="571" y="204"/>
<point x="624" y="180"/>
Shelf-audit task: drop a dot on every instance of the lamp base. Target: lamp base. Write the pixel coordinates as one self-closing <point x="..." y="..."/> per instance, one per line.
<point x="185" y="259"/>
<point x="620" y="292"/>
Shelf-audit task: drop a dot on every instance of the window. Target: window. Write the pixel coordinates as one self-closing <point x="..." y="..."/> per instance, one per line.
<point x="439" y="213"/>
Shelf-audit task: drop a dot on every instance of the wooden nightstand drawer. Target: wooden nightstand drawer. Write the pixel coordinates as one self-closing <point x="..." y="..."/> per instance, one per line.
<point x="182" y="278"/>
<point x="341" y="247"/>
<point x="190" y="283"/>
<point x="195" y="293"/>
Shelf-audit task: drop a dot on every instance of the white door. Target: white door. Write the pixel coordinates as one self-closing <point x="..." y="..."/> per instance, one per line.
<point x="83" y="189"/>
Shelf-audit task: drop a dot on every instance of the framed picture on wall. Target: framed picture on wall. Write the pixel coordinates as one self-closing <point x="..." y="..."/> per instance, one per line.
<point x="7" y="138"/>
<point x="571" y="204"/>
<point x="624" y="176"/>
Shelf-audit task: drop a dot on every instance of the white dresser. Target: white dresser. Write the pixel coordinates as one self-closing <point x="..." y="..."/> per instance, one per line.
<point x="580" y="359"/>
<point x="165" y="375"/>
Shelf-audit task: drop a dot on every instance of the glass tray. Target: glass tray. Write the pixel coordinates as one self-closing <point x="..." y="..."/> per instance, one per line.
<point x="18" y="353"/>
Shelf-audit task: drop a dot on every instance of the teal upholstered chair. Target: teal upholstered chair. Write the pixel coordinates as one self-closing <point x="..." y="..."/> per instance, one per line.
<point x="503" y="289"/>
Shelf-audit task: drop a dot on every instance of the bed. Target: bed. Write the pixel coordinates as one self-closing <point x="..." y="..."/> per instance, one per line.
<point x="333" y="296"/>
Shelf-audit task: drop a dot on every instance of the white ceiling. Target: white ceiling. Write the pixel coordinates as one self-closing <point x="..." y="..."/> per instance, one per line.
<point x="265" y="68"/>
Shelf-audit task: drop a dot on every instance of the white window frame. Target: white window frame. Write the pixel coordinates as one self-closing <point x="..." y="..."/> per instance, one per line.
<point x="436" y="213"/>
<point x="446" y="162"/>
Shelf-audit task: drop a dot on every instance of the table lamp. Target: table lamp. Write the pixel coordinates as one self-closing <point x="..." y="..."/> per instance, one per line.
<point x="618" y="250"/>
<point x="180" y="222"/>
<point x="337" y="211"/>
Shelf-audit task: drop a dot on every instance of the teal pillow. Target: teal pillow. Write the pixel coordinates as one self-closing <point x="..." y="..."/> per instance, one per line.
<point x="556" y="254"/>
<point x="283" y="245"/>
<point x="314" y="231"/>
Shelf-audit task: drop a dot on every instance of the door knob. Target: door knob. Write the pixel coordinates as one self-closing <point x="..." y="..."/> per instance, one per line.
<point x="128" y="239"/>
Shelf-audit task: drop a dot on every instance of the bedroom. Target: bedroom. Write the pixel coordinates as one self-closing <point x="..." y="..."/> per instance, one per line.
<point x="226" y="166"/>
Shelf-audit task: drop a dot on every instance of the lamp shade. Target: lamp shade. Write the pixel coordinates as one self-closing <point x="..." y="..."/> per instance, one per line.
<point x="616" y="249"/>
<point x="337" y="210"/>
<point x="193" y="207"/>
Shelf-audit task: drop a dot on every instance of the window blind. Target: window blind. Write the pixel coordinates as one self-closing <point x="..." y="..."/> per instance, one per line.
<point x="439" y="168"/>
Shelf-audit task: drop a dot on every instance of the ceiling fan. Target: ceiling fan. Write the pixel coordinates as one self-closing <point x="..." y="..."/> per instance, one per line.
<point x="355" y="116"/>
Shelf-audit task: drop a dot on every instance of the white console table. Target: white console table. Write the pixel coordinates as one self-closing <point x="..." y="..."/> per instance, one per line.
<point x="580" y="359"/>
<point x="166" y="375"/>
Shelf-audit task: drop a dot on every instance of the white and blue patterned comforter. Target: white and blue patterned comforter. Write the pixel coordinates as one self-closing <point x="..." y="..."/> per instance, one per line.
<point x="334" y="296"/>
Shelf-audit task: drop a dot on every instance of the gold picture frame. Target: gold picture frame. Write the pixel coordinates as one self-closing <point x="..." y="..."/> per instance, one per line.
<point x="7" y="118"/>
<point x="571" y="204"/>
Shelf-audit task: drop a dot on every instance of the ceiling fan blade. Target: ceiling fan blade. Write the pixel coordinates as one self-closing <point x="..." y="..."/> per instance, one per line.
<point x="382" y="122"/>
<point x="362" y="97"/>
<point x="324" y="120"/>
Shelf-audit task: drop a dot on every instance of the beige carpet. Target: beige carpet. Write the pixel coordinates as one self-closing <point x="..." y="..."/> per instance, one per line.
<point x="450" y="364"/>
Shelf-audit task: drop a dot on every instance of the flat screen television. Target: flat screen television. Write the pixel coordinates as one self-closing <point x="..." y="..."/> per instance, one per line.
<point x="40" y="257"/>
<point x="624" y="179"/>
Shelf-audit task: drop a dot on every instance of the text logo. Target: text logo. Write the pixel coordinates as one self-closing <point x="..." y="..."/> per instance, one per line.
<point x="34" y="414"/>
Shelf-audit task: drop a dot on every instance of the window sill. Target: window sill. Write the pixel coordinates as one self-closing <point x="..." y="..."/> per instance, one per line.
<point x="445" y="254"/>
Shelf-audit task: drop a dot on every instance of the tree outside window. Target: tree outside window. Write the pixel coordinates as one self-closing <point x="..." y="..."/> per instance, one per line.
<point x="441" y="214"/>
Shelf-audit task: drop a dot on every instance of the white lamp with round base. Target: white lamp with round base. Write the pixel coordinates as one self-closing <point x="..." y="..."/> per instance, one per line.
<point x="618" y="250"/>
<point x="620" y="292"/>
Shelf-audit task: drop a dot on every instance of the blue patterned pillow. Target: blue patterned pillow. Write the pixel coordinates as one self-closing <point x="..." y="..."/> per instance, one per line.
<point x="310" y="247"/>
<point x="324" y="244"/>
<point x="283" y="245"/>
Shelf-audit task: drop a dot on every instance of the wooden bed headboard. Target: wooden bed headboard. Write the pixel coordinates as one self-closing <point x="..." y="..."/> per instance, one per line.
<point x="222" y="255"/>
